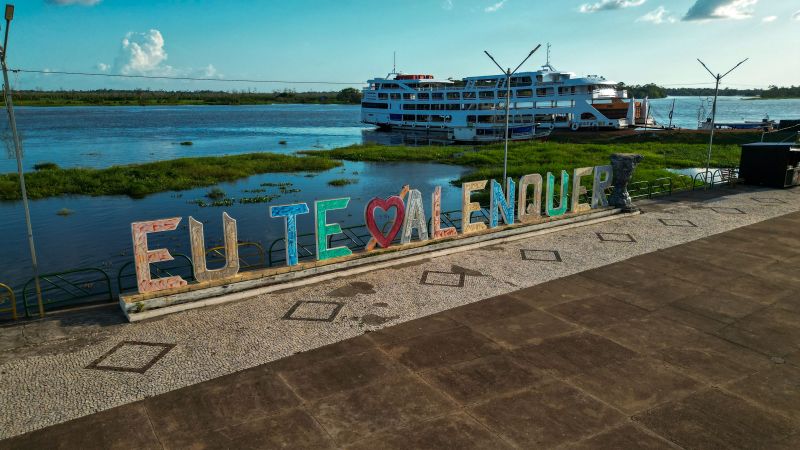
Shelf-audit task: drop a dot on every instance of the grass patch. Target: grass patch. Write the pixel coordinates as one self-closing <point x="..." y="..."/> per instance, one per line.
<point x="140" y="180"/>
<point x="486" y="161"/>
<point x="342" y="182"/>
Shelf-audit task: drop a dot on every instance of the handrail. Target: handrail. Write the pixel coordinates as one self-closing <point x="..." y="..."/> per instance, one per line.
<point x="262" y="255"/>
<point x="154" y="270"/>
<point x="72" y="296"/>
<point x="13" y="299"/>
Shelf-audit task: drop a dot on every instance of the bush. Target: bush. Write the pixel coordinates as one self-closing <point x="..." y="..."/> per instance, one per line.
<point x="45" y="166"/>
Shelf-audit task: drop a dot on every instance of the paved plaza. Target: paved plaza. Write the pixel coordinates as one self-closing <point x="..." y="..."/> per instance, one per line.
<point x="675" y="328"/>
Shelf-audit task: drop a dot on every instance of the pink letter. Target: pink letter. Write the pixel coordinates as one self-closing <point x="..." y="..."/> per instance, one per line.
<point x="143" y="257"/>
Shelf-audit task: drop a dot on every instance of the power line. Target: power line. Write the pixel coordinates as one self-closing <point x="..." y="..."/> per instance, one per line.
<point x="164" y="77"/>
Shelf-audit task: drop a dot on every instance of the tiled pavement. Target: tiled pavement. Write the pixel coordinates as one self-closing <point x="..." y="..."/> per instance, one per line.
<point x="693" y="346"/>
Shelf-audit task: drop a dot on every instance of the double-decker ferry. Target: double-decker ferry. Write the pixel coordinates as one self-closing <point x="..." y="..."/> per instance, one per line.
<point x="473" y="108"/>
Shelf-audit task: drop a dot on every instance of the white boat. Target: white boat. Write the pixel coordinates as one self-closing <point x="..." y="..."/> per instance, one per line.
<point x="473" y="108"/>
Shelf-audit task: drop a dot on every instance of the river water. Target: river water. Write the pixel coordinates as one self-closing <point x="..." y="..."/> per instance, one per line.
<point x="97" y="234"/>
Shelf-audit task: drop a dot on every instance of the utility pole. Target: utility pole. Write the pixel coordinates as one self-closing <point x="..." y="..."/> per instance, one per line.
<point x="9" y="15"/>
<point x="508" y="73"/>
<point x="717" y="78"/>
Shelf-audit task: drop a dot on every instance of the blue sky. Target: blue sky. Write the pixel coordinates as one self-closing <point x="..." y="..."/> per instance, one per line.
<point x="635" y="41"/>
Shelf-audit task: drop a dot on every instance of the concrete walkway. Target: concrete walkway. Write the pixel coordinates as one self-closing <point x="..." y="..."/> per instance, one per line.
<point x="640" y="344"/>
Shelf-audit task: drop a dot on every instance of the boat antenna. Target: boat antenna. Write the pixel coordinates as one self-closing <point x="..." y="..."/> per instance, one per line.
<point x="548" y="65"/>
<point x="394" y="62"/>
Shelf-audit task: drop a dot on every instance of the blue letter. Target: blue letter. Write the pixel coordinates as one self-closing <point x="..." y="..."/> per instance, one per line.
<point x="290" y="212"/>
<point x="499" y="201"/>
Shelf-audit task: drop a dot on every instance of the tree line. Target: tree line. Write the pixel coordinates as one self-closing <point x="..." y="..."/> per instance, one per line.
<point x="103" y="97"/>
<point x="654" y="91"/>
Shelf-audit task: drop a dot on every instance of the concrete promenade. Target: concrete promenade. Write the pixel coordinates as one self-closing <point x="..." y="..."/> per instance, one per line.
<point x="679" y="327"/>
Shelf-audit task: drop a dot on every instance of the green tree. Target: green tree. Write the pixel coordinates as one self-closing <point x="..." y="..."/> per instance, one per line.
<point x="349" y="95"/>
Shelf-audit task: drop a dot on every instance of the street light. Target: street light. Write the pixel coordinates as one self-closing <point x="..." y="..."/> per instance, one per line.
<point x="508" y="72"/>
<point x="9" y="15"/>
<point x="717" y="78"/>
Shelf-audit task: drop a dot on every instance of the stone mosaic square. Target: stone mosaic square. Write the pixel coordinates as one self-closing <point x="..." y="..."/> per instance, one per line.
<point x="315" y="311"/>
<point x="434" y="278"/>
<point x="677" y="223"/>
<point x="540" y="255"/>
<point x="616" y="237"/>
<point x="726" y="210"/>
<point x="769" y="201"/>
<point x="131" y="356"/>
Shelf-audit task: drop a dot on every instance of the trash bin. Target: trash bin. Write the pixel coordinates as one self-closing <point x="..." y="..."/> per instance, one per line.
<point x="770" y="164"/>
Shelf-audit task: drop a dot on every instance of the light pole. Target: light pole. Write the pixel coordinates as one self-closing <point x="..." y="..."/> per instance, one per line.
<point x="508" y="72"/>
<point x="717" y="78"/>
<point x="9" y="15"/>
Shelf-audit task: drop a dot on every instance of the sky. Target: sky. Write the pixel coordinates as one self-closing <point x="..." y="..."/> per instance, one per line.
<point x="350" y="41"/>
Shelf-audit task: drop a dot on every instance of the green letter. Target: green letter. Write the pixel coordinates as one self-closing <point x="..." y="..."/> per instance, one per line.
<point x="324" y="229"/>
<point x="564" y="203"/>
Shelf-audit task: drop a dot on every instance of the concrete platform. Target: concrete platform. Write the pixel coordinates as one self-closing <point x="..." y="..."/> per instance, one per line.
<point x="676" y="328"/>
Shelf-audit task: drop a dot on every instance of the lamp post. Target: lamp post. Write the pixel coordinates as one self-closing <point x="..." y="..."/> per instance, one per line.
<point x="717" y="78"/>
<point x="9" y="15"/>
<point x="508" y="73"/>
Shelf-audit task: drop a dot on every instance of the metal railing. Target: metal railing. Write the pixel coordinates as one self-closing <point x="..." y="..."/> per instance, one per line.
<point x="181" y="266"/>
<point x="6" y="293"/>
<point x="251" y="255"/>
<point x="69" y="288"/>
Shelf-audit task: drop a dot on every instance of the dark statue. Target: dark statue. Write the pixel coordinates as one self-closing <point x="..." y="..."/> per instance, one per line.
<point x="623" y="165"/>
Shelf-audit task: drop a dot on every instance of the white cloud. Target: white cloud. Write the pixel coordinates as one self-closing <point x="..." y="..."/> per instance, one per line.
<point x="720" y="9"/>
<point x="447" y="4"/>
<point x="769" y="19"/>
<point x="796" y="15"/>
<point x="146" y="54"/>
<point x="74" y="2"/>
<point x="495" y="7"/>
<point x="609" y="5"/>
<point x="142" y="54"/>
<point x="657" y="16"/>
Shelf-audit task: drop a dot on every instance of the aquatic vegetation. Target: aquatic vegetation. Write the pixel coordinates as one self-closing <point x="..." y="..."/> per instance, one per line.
<point x="282" y="142"/>
<point x="140" y="180"/>
<point x="260" y="199"/>
<point x="187" y="143"/>
<point x="45" y="166"/>
<point x="65" y="212"/>
<point x="216" y="194"/>
<point x="342" y="182"/>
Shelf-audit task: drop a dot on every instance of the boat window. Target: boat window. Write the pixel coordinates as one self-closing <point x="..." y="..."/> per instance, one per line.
<point x="383" y="96"/>
<point x="524" y="93"/>
<point x="471" y="119"/>
<point x="408" y="117"/>
<point x="588" y="116"/>
<point x="437" y="107"/>
<point x="438" y="96"/>
<point x="423" y="107"/>
<point x="469" y="95"/>
<point x="375" y="105"/>
<point x="491" y="82"/>
<point x="486" y="94"/>
<point x="454" y="96"/>
<point x="394" y="96"/>
<point x="409" y="106"/>
<point x="453" y="107"/>
<point x="522" y="105"/>
<point x="423" y="96"/>
<point x="409" y="97"/>
<point x="423" y="118"/>
<point x="520" y="81"/>
<point x="544" y="92"/>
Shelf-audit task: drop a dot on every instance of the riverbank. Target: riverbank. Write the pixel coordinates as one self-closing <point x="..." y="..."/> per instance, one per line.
<point x="662" y="150"/>
<point x="140" y="180"/>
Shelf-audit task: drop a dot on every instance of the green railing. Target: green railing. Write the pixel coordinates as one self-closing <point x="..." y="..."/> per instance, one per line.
<point x="70" y="288"/>
<point x="7" y="294"/>
<point x="181" y="266"/>
<point x="251" y="255"/>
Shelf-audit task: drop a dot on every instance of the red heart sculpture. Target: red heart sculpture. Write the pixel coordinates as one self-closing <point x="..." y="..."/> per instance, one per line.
<point x="369" y="215"/>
